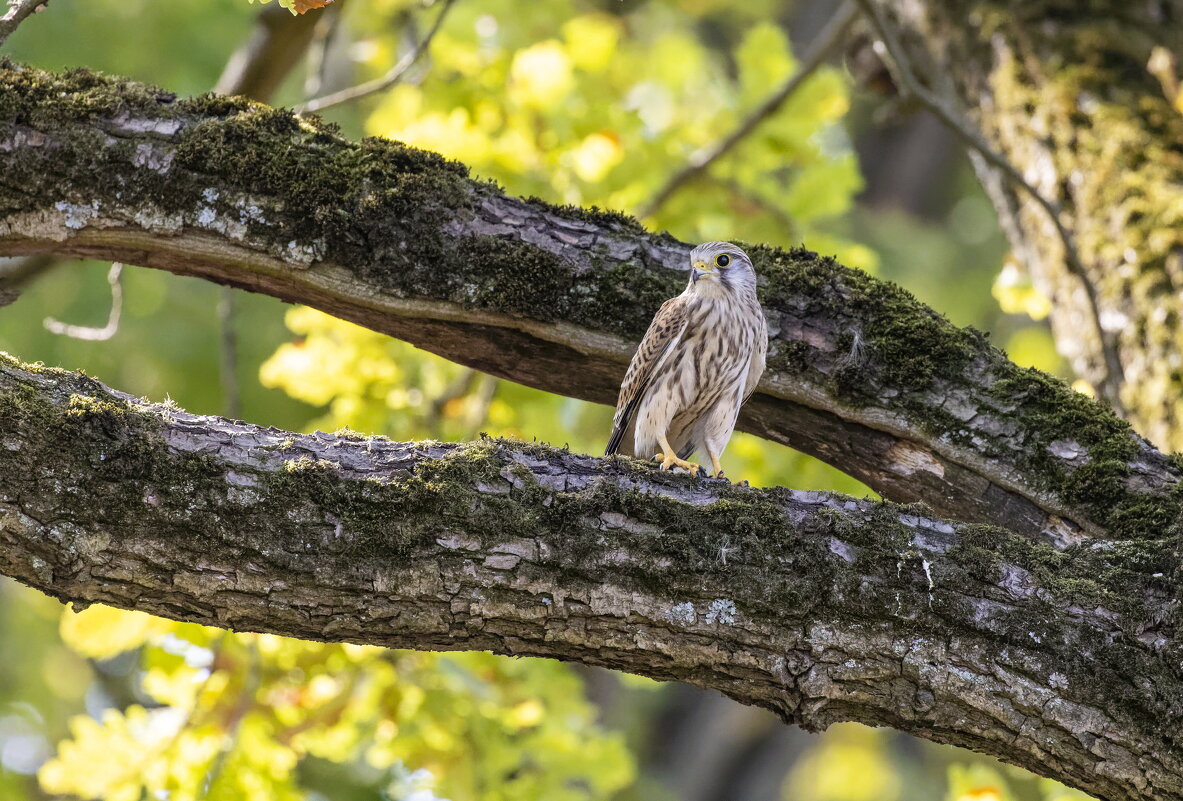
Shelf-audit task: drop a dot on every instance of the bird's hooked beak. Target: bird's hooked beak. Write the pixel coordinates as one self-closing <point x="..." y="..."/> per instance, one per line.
<point x="702" y="268"/>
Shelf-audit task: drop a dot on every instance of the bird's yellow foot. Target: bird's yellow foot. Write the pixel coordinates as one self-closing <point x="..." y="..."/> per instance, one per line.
<point x="670" y="459"/>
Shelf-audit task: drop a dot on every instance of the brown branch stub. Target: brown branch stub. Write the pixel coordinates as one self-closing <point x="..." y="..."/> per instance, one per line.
<point x="18" y="11"/>
<point x="819" y="607"/>
<point x="402" y="241"/>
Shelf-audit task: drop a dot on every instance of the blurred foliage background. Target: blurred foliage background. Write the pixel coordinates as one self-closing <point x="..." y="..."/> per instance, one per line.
<point x="589" y="102"/>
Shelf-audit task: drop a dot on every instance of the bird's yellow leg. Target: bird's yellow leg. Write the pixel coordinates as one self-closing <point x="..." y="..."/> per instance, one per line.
<point x="715" y="466"/>
<point x="669" y="457"/>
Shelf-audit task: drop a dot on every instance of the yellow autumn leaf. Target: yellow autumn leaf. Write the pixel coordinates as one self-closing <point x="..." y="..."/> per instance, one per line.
<point x="540" y="75"/>
<point x="101" y="632"/>
<point x="591" y="40"/>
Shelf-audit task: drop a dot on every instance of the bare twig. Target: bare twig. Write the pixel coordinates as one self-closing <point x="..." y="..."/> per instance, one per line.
<point x="95" y="334"/>
<point x="825" y="43"/>
<point x="228" y="350"/>
<point x="18" y="11"/>
<point x="899" y="65"/>
<point x="396" y="73"/>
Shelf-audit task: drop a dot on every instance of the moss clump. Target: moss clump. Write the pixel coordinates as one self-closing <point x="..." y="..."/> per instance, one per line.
<point x="340" y="196"/>
<point x="32" y="97"/>
<point x="623" y="298"/>
<point x="908" y="345"/>
<point x="516" y="278"/>
<point x="1101" y="486"/>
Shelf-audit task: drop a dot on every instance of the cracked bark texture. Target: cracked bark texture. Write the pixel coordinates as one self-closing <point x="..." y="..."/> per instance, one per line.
<point x="1068" y="93"/>
<point x="818" y="607"/>
<point x="400" y="240"/>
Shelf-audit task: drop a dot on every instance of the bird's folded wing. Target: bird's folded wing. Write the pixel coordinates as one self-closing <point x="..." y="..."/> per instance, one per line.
<point x="664" y="332"/>
<point x="756" y="368"/>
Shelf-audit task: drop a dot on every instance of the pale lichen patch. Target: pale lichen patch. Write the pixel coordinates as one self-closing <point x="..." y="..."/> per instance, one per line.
<point x="683" y="613"/>
<point x="721" y="610"/>
<point x="77" y="216"/>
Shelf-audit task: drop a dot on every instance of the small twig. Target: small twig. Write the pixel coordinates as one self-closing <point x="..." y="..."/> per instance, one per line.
<point x="396" y="73"/>
<point x="901" y="71"/>
<point x="825" y="43"/>
<point x="228" y="361"/>
<point x="18" y="11"/>
<point x="95" y="334"/>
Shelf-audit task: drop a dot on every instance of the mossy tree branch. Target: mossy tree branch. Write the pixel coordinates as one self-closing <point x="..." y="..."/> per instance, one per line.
<point x="402" y="241"/>
<point x="816" y="606"/>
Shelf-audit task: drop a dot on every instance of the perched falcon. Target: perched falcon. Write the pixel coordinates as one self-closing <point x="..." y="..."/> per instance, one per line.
<point x="699" y="361"/>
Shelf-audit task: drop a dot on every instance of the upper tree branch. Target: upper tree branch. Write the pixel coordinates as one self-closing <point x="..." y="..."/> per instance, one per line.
<point x="399" y="240"/>
<point x="818" y="607"/>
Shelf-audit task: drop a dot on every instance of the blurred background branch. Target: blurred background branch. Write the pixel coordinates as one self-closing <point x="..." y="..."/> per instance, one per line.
<point x="391" y="78"/>
<point x="18" y="11"/>
<point x="828" y="41"/>
<point x="108" y="330"/>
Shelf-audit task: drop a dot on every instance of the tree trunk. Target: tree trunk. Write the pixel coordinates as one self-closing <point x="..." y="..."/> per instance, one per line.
<point x="1069" y="93"/>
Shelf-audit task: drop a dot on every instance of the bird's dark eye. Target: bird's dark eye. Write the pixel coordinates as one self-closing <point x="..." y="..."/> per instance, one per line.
<point x="723" y="260"/>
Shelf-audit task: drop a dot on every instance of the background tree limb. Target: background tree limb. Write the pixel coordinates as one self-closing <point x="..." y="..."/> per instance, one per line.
<point x="816" y="606"/>
<point x="1068" y="96"/>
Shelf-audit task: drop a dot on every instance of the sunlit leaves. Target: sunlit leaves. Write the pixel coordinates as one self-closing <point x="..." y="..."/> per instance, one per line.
<point x="605" y="112"/>
<point x="1016" y="294"/>
<point x="103" y="631"/>
<point x="236" y="715"/>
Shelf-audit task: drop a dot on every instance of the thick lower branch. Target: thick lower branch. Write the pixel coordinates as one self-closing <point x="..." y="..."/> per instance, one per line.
<point x="819" y="607"/>
<point x="399" y="240"/>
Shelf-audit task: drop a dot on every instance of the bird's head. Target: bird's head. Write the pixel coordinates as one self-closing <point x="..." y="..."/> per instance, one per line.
<point x="718" y="267"/>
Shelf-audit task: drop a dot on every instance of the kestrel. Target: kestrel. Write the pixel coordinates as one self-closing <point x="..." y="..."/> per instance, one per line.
<point x="699" y="361"/>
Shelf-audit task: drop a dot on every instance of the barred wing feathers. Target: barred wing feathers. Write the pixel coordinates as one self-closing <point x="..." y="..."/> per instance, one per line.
<point x="664" y="332"/>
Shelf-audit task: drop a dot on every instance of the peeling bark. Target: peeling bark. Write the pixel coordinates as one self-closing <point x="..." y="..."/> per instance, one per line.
<point x="818" y="607"/>
<point x="399" y="240"/>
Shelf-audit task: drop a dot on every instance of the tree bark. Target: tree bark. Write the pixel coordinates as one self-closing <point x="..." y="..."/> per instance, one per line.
<point x="1083" y="98"/>
<point x="400" y="240"/>
<point x="818" y="607"/>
